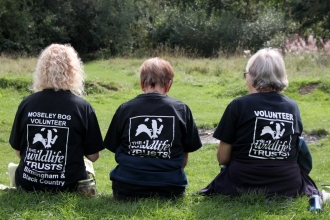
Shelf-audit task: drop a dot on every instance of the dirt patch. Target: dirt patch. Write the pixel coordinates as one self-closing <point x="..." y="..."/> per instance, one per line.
<point x="207" y="137"/>
<point x="311" y="138"/>
<point x="98" y="87"/>
<point x="308" y="88"/>
<point x="108" y="87"/>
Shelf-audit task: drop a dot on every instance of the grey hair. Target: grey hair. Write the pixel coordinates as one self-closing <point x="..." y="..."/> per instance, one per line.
<point x="59" y="68"/>
<point x="267" y="70"/>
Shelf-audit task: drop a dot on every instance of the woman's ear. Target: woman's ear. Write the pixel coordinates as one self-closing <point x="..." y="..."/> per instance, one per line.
<point x="142" y="86"/>
<point x="168" y="86"/>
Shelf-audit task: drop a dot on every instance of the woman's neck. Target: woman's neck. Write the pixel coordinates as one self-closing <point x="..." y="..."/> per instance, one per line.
<point x="267" y="89"/>
<point x="155" y="89"/>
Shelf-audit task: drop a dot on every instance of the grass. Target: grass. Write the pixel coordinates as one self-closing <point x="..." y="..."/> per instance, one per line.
<point x="207" y="86"/>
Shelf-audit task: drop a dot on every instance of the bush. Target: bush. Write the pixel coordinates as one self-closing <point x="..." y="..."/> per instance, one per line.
<point x="265" y="30"/>
<point x="193" y="28"/>
<point x="88" y="25"/>
<point x="221" y="31"/>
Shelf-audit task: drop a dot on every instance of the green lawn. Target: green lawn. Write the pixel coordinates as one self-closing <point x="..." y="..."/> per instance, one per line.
<point x="207" y="86"/>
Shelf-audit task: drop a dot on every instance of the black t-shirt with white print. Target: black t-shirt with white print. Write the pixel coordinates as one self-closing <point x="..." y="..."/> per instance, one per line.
<point x="263" y="130"/>
<point x="261" y="126"/>
<point x="53" y="130"/>
<point x="149" y="135"/>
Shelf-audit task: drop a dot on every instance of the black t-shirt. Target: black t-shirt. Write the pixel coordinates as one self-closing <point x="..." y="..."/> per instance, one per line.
<point x="264" y="130"/>
<point x="149" y="135"/>
<point x="261" y="126"/>
<point x="53" y="130"/>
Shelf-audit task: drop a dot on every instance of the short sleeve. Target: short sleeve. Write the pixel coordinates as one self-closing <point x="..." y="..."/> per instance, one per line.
<point x="17" y="132"/>
<point x="226" y="130"/>
<point x="93" y="138"/>
<point x="112" y="138"/>
<point x="192" y="140"/>
<point x="299" y="125"/>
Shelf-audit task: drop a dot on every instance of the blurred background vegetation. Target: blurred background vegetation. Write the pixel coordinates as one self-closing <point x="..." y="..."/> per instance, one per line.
<point x="100" y="29"/>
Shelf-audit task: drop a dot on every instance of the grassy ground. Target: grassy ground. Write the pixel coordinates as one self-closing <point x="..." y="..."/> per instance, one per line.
<point x="207" y="86"/>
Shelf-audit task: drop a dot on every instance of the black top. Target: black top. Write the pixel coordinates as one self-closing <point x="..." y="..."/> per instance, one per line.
<point x="264" y="130"/>
<point x="149" y="135"/>
<point x="261" y="126"/>
<point x="53" y="130"/>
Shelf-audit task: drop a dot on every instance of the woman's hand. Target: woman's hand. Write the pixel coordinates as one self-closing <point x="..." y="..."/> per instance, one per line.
<point x="224" y="153"/>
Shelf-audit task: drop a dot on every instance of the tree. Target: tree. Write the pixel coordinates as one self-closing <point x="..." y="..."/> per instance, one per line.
<point x="15" y="34"/>
<point x="312" y="14"/>
<point x="111" y="29"/>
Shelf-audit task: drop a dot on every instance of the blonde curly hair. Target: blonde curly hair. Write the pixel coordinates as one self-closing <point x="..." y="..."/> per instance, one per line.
<point x="59" y="68"/>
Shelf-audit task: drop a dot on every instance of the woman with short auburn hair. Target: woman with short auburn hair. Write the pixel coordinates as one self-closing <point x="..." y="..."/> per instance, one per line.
<point x="151" y="136"/>
<point x="156" y="71"/>
<point x="54" y="128"/>
<point x="259" y="135"/>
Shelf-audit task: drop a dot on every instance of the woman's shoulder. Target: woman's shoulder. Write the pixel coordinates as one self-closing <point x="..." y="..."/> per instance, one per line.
<point x="288" y="99"/>
<point x="72" y="99"/>
<point x="175" y="101"/>
<point x="260" y="99"/>
<point x="244" y="99"/>
<point x="270" y="96"/>
<point x="146" y="98"/>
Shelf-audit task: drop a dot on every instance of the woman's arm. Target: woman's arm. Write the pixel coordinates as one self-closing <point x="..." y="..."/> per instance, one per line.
<point x="93" y="157"/>
<point x="18" y="153"/>
<point x="224" y="153"/>
<point x="185" y="162"/>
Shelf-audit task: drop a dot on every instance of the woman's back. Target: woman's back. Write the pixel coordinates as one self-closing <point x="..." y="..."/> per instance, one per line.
<point x="263" y="126"/>
<point x="259" y="135"/>
<point x="55" y="124"/>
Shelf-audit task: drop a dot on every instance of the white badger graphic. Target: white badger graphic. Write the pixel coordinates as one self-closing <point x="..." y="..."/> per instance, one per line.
<point x="152" y="133"/>
<point x="45" y="141"/>
<point x="277" y="134"/>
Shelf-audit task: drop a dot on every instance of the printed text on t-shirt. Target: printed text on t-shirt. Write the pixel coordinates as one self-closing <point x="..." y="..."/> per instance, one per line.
<point x="272" y="137"/>
<point x="151" y="136"/>
<point x="274" y="115"/>
<point x="42" y="118"/>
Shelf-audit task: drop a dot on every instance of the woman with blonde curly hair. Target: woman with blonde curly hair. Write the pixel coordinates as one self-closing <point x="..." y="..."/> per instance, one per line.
<point x="59" y="68"/>
<point x="54" y="128"/>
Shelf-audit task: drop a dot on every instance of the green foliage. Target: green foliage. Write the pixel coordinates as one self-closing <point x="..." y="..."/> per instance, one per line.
<point x="223" y="30"/>
<point x="260" y="32"/>
<point x="98" y="87"/>
<point x="17" y="84"/>
<point x="193" y="28"/>
<point x="14" y="32"/>
<point x="110" y="31"/>
<point x="325" y="87"/>
<point x="199" y="69"/>
<point x="22" y="205"/>
<point x="88" y="25"/>
<point x="313" y="15"/>
<point x="108" y="28"/>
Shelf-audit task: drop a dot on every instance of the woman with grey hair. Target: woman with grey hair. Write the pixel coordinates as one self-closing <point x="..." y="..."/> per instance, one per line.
<point x="259" y="136"/>
<point x="54" y="128"/>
